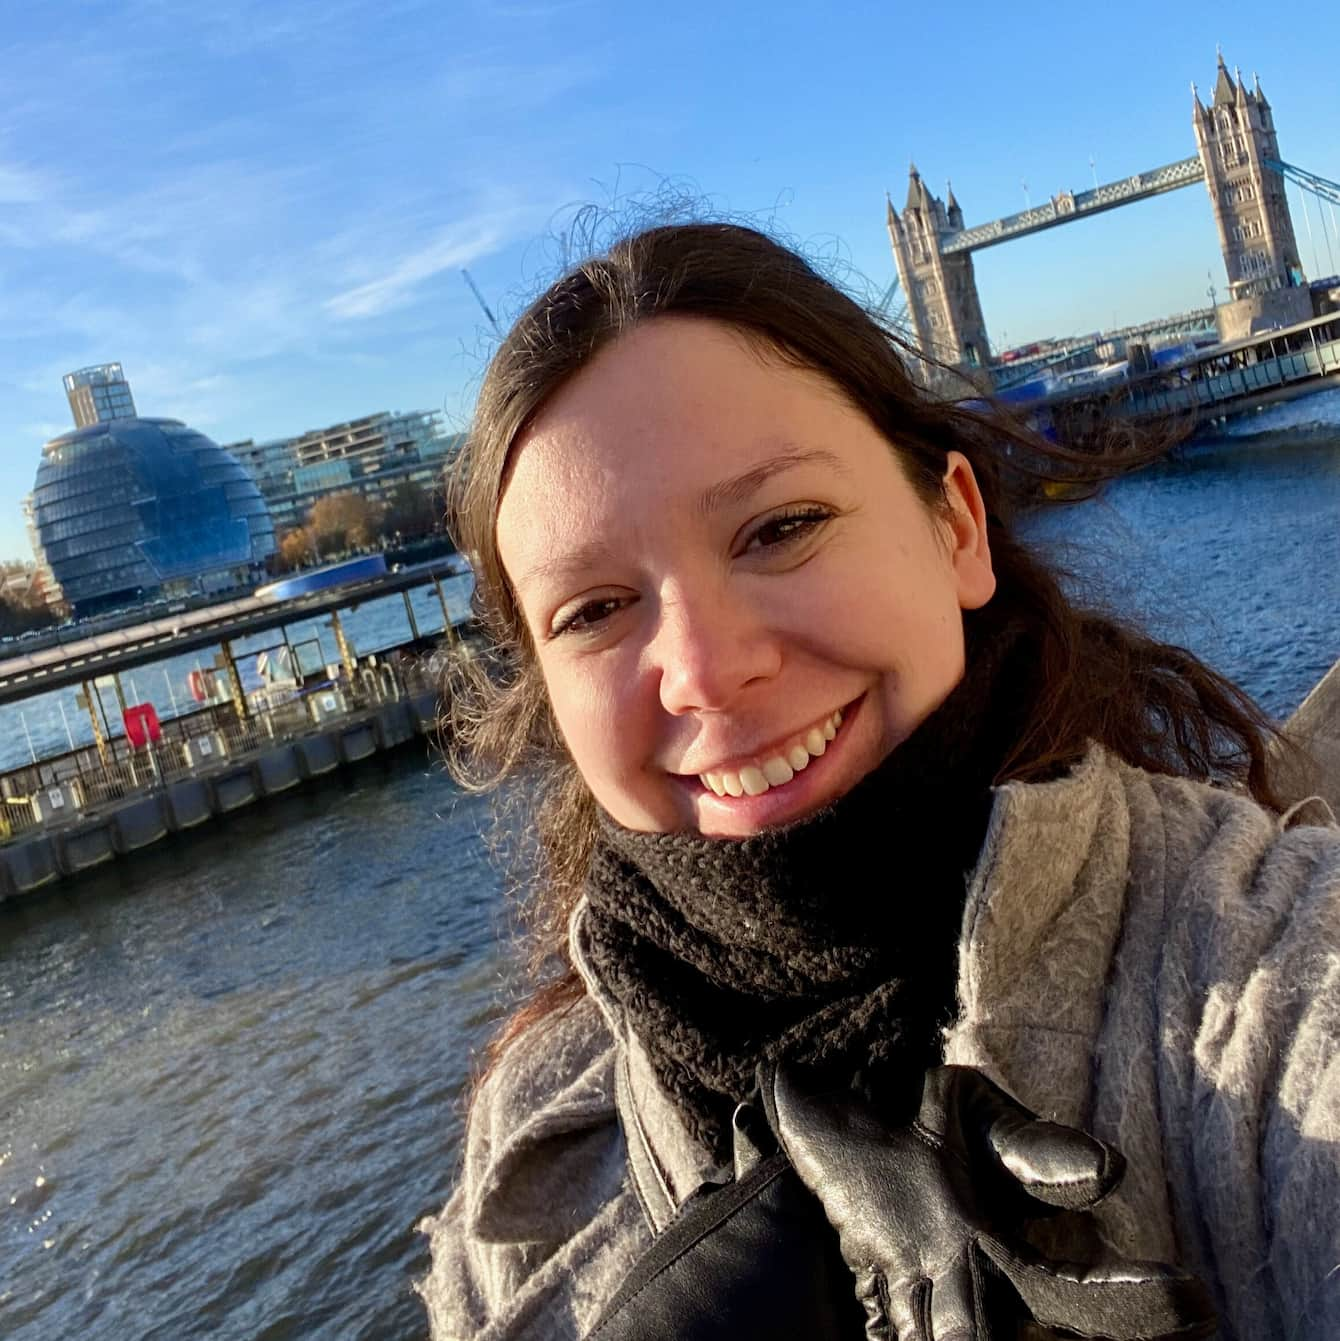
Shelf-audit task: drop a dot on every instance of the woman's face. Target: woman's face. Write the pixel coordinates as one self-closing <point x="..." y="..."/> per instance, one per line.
<point x="739" y="604"/>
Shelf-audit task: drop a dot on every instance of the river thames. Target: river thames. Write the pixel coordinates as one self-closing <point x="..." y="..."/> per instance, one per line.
<point x="231" y="1069"/>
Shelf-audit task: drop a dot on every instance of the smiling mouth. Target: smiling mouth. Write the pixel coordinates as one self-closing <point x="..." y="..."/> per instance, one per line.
<point x="778" y="768"/>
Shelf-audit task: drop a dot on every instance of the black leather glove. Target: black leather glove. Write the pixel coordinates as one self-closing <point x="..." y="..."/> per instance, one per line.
<point x="928" y="1216"/>
<point x="753" y="1258"/>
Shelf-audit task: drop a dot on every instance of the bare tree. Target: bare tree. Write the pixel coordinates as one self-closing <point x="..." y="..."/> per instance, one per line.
<point x="342" y="521"/>
<point x="295" y="549"/>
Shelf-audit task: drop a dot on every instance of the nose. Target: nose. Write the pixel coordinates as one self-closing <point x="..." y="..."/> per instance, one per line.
<point x="709" y="646"/>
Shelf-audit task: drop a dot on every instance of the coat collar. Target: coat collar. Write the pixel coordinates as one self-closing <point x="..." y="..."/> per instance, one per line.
<point x="1044" y="912"/>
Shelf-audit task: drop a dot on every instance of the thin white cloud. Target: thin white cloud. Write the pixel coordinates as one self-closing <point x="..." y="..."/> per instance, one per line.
<point x="532" y="10"/>
<point x="21" y="185"/>
<point x="486" y="88"/>
<point x="453" y="248"/>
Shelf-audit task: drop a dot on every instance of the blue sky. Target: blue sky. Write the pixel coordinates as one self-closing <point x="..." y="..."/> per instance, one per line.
<point x="261" y="207"/>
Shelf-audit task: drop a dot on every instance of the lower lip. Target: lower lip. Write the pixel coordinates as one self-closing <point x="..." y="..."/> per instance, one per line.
<point x="809" y="790"/>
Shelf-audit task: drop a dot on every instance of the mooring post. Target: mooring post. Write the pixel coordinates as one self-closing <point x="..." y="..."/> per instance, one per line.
<point x="409" y="611"/>
<point x="120" y="693"/>
<point x="235" y="690"/>
<point x="85" y="699"/>
<point x="294" y="665"/>
<point x="347" y="658"/>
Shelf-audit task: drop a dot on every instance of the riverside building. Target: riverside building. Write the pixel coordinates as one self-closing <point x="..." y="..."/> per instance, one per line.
<point x="370" y="456"/>
<point x="126" y="510"/>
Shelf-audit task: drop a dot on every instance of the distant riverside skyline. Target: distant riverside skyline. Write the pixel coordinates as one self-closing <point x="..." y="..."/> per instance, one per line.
<point x="262" y="210"/>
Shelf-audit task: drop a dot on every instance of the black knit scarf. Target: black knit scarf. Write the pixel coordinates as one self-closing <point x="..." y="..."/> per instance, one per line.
<point x="832" y="940"/>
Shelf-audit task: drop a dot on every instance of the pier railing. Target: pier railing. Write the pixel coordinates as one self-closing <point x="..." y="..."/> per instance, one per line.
<point x="55" y="791"/>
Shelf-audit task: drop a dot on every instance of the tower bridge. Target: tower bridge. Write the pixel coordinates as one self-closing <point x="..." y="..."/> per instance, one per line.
<point x="1237" y="158"/>
<point x="1066" y="206"/>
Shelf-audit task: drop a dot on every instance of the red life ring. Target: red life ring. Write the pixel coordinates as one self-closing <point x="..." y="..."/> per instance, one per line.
<point x="198" y="685"/>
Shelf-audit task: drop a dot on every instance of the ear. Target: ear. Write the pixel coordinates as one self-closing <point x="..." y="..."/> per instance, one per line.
<point x="970" y="550"/>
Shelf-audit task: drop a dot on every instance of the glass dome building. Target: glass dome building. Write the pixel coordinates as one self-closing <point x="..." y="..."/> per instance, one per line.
<point x="127" y="510"/>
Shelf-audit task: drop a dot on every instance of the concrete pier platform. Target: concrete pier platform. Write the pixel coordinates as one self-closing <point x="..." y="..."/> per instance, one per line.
<point x="139" y="823"/>
<point x="71" y="839"/>
<point x="87" y="846"/>
<point x="317" y="755"/>
<point x="28" y="865"/>
<point x="233" y="788"/>
<point x="187" y="803"/>
<point x="277" y="769"/>
<point x="425" y="707"/>
<point x="394" y="724"/>
<point x="358" y="742"/>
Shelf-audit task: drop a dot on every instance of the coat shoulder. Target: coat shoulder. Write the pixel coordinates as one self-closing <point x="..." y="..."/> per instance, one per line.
<point x="545" y="1112"/>
<point x="543" y="1223"/>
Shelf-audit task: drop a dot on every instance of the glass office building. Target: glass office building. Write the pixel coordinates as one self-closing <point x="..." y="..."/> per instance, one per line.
<point x="127" y="510"/>
<point x="98" y="394"/>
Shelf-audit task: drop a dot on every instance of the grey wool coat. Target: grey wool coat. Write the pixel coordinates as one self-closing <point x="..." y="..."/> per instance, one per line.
<point x="1146" y="957"/>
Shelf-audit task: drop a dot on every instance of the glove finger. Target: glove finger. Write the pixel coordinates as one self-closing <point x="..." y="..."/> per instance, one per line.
<point x="1117" y="1300"/>
<point x="873" y="1292"/>
<point x="1053" y="1164"/>
<point x="907" y="1308"/>
<point x="1056" y="1165"/>
<point x="958" y="1301"/>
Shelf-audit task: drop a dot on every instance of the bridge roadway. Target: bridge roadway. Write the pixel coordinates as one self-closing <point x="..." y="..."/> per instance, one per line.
<point x="79" y="661"/>
<point x="1066" y="206"/>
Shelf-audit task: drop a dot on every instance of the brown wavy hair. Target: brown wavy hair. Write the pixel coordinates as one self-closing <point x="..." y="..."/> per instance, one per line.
<point x="1101" y="679"/>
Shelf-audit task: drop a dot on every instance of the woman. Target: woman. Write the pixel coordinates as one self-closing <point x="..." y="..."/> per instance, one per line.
<point x="830" y="770"/>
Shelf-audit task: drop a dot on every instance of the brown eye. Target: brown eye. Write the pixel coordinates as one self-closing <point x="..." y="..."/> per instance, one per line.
<point x="787" y="528"/>
<point x="588" y="616"/>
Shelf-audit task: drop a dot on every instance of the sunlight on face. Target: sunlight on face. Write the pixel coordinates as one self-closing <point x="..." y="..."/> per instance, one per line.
<point x="739" y="604"/>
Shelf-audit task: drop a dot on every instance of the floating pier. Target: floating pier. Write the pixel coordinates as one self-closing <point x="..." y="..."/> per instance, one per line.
<point x="1208" y="385"/>
<point x="77" y="810"/>
<point x="66" y="815"/>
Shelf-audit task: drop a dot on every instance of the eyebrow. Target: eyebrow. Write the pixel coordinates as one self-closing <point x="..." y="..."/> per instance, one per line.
<point x="740" y="488"/>
<point x="725" y="493"/>
<point x="589" y="555"/>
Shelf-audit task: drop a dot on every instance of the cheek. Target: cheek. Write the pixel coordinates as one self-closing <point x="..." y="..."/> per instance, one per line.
<point x="898" y="602"/>
<point x="597" y="717"/>
<point x="898" y="614"/>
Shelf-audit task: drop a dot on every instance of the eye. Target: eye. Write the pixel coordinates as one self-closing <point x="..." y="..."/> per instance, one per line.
<point x="787" y="527"/>
<point x="587" y="616"/>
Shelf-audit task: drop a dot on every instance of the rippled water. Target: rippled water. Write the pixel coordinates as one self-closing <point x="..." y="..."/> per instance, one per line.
<point x="230" y="1069"/>
<point x="1231" y="548"/>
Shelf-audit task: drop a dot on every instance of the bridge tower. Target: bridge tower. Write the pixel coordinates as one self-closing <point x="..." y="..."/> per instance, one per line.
<point x="941" y="290"/>
<point x="1265" y="277"/>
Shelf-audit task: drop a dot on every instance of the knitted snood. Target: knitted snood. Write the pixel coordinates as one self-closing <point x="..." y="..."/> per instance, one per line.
<point x="832" y="940"/>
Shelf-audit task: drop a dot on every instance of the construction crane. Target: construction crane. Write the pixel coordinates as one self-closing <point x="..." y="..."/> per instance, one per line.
<point x="479" y="298"/>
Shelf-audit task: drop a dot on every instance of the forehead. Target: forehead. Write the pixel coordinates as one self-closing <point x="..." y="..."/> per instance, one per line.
<point x="672" y="405"/>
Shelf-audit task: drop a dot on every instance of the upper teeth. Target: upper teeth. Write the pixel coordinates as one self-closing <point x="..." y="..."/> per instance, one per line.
<point x="777" y="769"/>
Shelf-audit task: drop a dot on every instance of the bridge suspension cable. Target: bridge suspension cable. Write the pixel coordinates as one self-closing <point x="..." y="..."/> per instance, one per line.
<point x="897" y="317"/>
<point x="1309" y="181"/>
<point x="1322" y="190"/>
<point x="479" y="298"/>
